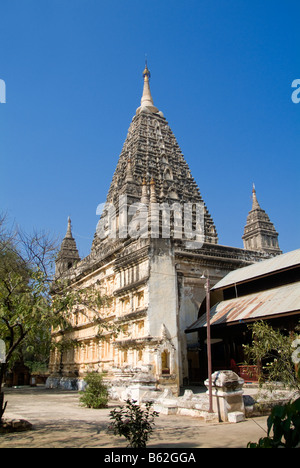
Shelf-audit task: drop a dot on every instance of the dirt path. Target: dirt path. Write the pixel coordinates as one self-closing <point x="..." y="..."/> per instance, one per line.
<point x="59" y="422"/>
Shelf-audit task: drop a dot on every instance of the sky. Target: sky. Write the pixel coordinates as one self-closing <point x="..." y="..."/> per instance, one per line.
<point x="221" y="72"/>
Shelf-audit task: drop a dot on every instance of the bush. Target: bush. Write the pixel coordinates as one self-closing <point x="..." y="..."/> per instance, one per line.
<point x="96" y="394"/>
<point x="275" y="351"/>
<point x="285" y="422"/>
<point x="133" y="423"/>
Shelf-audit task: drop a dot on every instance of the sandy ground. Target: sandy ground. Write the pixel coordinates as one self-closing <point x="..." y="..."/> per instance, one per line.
<point x="60" y="422"/>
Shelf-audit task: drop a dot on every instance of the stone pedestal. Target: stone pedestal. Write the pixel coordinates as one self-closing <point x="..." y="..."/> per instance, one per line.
<point x="138" y="390"/>
<point x="227" y="391"/>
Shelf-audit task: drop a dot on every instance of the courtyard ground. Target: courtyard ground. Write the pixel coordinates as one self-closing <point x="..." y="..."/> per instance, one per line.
<point x="60" y="422"/>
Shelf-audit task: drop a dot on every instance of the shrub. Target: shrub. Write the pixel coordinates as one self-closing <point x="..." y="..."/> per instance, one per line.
<point x="275" y="350"/>
<point x="134" y="423"/>
<point x="285" y="422"/>
<point x="96" y="394"/>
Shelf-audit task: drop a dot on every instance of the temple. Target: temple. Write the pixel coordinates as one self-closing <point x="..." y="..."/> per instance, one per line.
<point x="154" y="243"/>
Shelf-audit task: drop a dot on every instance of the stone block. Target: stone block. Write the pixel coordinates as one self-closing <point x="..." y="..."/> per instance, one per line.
<point x="236" y="417"/>
<point x="15" y="425"/>
<point x="165" y="409"/>
<point x="188" y="395"/>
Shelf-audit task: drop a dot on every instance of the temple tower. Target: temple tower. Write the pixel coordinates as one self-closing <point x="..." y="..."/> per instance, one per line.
<point x="260" y="233"/>
<point x="151" y="162"/>
<point x="68" y="255"/>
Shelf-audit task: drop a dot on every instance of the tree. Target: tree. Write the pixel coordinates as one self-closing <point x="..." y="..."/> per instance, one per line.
<point x="26" y="312"/>
<point x="31" y="304"/>
<point x="275" y="352"/>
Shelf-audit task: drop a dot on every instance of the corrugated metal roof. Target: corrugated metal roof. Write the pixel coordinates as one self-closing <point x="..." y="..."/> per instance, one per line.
<point x="262" y="268"/>
<point x="281" y="300"/>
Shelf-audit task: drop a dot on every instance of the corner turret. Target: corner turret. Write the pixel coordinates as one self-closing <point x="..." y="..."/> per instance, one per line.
<point x="259" y="232"/>
<point x="68" y="255"/>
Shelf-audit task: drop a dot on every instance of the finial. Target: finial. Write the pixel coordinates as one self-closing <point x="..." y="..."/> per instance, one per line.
<point x="255" y="204"/>
<point x="163" y="332"/>
<point x="146" y="71"/>
<point x="69" y="230"/>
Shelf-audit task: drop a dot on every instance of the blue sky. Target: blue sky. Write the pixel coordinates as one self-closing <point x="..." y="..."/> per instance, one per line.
<point x="221" y="72"/>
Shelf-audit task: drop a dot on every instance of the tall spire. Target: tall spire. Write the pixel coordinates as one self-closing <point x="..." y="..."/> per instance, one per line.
<point x="147" y="101"/>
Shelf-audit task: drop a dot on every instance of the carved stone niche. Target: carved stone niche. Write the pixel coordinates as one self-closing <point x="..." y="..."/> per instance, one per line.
<point x="165" y="355"/>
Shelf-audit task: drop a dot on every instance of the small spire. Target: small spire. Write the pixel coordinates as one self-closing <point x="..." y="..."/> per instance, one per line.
<point x="144" y="198"/>
<point x="129" y="175"/>
<point x="152" y="191"/>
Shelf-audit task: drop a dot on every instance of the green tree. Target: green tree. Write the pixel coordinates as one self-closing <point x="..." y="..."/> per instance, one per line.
<point x="25" y="300"/>
<point x="31" y="303"/>
<point x="273" y="350"/>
